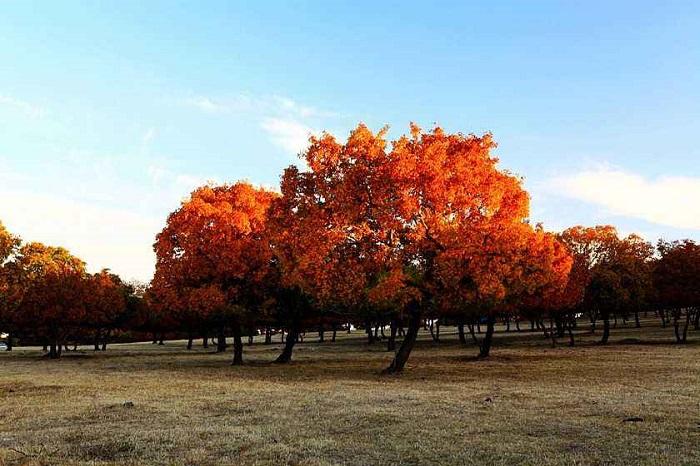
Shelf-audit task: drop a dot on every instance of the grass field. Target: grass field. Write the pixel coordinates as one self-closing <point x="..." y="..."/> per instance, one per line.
<point x="528" y="404"/>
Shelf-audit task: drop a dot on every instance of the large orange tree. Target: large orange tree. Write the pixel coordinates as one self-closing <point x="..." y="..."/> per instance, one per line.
<point x="214" y="259"/>
<point x="431" y="209"/>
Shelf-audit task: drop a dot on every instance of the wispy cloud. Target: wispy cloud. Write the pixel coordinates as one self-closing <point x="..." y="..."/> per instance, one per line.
<point x="289" y="134"/>
<point x="27" y="108"/>
<point x="287" y="122"/>
<point x="665" y="200"/>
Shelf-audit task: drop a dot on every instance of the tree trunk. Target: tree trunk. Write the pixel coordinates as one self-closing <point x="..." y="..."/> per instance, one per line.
<point x="321" y="334"/>
<point x="161" y="342"/>
<point x="286" y="355"/>
<point x="250" y="339"/>
<point x="430" y="327"/>
<point x="98" y="335"/>
<point x="9" y="341"/>
<point x="391" y="343"/>
<point x="221" y="341"/>
<point x="571" y="334"/>
<point x="205" y="339"/>
<point x="190" y="339"/>
<point x="407" y="344"/>
<point x="370" y="335"/>
<point x="697" y="319"/>
<point x="237" y="345"/>
<point x="460" y="331"/>
<point x="606" y="329"/>
<point x="473" y="335"/>
<point x="53" y="352"/>
<point x="636" y="319"/>
<point x="687" y="324"/>
<point x="487" y="341"/>
<point x="335" y="331"/>
<point x="268" y="335"/>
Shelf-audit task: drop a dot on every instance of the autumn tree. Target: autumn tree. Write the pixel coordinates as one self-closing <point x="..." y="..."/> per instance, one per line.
<point x="613" y="271"/>
<point x="106" y="302"/>
<point x="9" y="245"/>
<point x="433" y="208"/>
<point x="676" y="278"/>
<point x="48" y="284"/>
<point x="213" y="250"/>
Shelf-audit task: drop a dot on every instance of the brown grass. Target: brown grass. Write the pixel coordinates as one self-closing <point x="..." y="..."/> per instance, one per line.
<point x="528" y="404"/>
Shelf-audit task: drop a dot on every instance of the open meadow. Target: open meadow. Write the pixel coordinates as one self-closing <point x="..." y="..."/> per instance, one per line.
<point x="635" y="401"/>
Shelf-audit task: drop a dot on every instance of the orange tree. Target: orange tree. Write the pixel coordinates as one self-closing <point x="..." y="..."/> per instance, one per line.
<point x="613" y="271"/>
<point x="8" y="248"/>
<point x="214" y="251"/>
<point x="49" y="286"/>
<point x="106" y="302"/>
<point x="433" y="208"/>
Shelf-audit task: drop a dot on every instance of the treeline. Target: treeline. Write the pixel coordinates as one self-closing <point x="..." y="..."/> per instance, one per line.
<point x="426" y="230"/>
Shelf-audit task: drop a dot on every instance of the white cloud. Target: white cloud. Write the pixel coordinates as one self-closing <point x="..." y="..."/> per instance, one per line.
<point x="667" y="200"/>
<point x="29" y="109"/>
<point x="103" y="237"/>
<point x="289" y="134"/>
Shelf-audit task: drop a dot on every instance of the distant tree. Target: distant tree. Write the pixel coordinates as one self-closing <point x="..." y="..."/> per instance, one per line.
<point x="676" y="278"/>
<point x="9" y="245"/>
<point x="50" y="287"/>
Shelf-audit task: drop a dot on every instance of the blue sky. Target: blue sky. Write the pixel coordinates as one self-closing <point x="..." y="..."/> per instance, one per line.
<point x="111" y="112"/>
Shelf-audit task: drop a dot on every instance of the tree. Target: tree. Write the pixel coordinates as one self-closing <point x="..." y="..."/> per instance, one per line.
<point x="676" y="278"/>
<point x="9" y="245"/>
<point x="214" y="259"/>
<point x="106" y="304"/>
<point x="435" y="207"/>
<point x="48" y="284"/>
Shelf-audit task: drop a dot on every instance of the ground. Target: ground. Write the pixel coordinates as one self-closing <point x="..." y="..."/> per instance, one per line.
<point x="636" y="401"/>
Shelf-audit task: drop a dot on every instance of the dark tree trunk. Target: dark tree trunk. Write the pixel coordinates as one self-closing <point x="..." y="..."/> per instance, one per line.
<point x="205" y="339"/>
<point x="98" y="335"/>
<point x="487" y="341"/>
<point x="636" y="319"/>
<point x="321" y="334"/>
<point x="370" y="335"/>
<point x="431" y="328"/>
<point x="517" y="325"/>
<point x="155" y="338"/>
<point x="268" y="335"/>
<point x="686" y="325"/>
<point x="662" y="314"/>
<point x="606" y="329"/>
<point x="190" y="339"/>
<point x="696" y="326"/>
<point x="221" y="341"/>
<point x="391" y="343"/>
<point x="53" y="352"/>
<point x="407" y="344"/>
<point x="507" y="321"/>
<point x="460" y="332"/>
<point x="376" y="332"/>
<point x="473" y="335"/>
<point x="381" y="330"/>
<point x="250" y="339"/>
<point x="335" y="331"/>
<point x="237" y="345"/>
<point x="161" y="342"/>
<point x="286" y="355"/>
<point x="9" y="341"/>
<point x="571" y="334"/>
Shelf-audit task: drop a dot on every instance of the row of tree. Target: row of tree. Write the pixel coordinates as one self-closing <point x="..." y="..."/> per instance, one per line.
<point x="370" y="234"/>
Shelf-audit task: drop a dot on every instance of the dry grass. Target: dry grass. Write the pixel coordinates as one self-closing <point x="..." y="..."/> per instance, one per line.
<point x="529" y="404"/>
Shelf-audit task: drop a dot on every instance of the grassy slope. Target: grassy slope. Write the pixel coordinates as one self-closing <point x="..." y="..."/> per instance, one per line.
<point x="528" y="404"/>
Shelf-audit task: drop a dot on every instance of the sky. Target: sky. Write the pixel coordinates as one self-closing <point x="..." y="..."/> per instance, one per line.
<point x="111" y="112"/>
